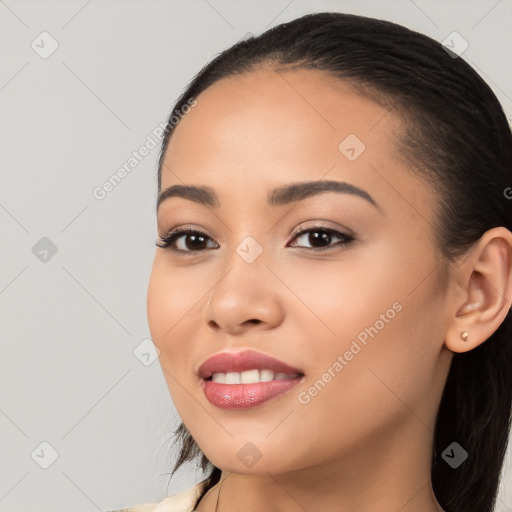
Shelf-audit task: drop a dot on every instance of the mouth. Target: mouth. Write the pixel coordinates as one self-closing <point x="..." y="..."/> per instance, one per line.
<point x="251" y="376"/>
<point x="246" y="379"/>
<point x="245" y="367"/>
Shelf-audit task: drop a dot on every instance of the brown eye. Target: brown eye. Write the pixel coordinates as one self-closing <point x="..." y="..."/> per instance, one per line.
<point x="323" y="238"/>
<point x="184" y="241"/>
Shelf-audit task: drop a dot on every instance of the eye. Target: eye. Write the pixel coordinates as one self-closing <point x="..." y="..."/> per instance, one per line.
<point x="322" y="238"/>
<point x="184" y="241"/>
<point x="189" y="241"/>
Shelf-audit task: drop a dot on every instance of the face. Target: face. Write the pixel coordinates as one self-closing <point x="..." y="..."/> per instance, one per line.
<point x="345" y="285"/>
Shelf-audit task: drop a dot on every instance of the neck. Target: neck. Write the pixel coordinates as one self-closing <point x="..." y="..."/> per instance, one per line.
<point x="365" y="480"/>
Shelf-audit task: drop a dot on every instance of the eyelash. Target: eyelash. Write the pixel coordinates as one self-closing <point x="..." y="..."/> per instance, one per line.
<point x="167" y="241"/>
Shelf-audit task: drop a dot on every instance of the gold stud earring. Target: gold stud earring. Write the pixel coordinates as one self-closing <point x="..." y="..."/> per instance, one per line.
<point x="464" y="336"/>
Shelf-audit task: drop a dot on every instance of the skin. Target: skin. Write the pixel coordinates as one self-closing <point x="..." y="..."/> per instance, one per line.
<point x="366" y="439"/>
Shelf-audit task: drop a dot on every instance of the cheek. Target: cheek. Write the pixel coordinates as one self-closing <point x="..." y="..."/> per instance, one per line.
<point x="173" y="311"/>
<point x="172" y="294"/>
<point x="337" y="300"/>
<point x="159" y="304"/>
<point x="170" y="313"/>
<point x="372" y="313"/>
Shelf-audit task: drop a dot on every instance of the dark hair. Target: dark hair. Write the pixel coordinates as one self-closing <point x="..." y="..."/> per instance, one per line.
<point x="457" y="137"/>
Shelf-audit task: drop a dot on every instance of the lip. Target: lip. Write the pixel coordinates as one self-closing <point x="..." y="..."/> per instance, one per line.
<point x="225" y="362"/>
<point x="244" y="396"/>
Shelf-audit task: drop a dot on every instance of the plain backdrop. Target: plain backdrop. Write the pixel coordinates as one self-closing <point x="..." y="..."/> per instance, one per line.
<point x="82" y="85"/>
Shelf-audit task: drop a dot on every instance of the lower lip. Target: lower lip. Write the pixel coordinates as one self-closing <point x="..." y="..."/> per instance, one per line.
<point x="244" y="396"/>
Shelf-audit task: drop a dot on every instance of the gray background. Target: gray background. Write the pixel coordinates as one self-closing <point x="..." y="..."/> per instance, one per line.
<point x="71" y="324"/>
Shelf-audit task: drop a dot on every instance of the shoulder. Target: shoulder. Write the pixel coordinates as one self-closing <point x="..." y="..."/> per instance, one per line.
<point x="181" y="502"/>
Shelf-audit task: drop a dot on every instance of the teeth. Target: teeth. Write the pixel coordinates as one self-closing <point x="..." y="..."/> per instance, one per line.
<point x="266" y="375"/>
<point x="250" y="377"/>
<point x="232" y="378"/>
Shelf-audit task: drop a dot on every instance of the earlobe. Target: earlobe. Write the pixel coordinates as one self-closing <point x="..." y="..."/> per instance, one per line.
<point x="487" y="291"/>
<point x="462" y="340"/>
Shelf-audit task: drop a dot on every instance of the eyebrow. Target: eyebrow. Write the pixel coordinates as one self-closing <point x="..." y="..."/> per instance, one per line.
<point x="277" y="197"/>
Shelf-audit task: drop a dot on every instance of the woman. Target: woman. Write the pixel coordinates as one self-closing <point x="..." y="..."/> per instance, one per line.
<point x="331" y="290"/>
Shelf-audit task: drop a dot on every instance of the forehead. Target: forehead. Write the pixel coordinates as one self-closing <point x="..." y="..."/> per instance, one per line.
<point x="280" y="109"/>
<point x="256" y="131"/>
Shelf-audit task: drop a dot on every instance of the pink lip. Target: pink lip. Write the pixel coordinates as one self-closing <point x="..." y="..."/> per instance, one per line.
<point x="244" y="396"/>
<point x="225" y="362"/>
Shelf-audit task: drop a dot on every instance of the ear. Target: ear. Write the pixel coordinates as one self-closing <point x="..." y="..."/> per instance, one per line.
<point x="485" y="291"/>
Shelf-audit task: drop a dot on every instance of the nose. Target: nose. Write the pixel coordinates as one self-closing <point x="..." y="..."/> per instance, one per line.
<point x="246" y="297"/>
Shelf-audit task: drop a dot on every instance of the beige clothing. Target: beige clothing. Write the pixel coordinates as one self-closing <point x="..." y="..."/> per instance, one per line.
<point x="181" y="502"/>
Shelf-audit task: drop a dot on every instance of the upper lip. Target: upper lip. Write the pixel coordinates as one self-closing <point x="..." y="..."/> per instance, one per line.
<point x="225" y="362"/>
